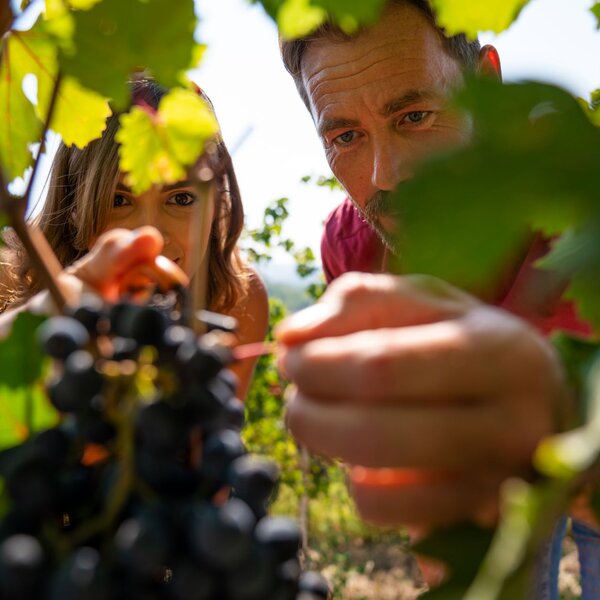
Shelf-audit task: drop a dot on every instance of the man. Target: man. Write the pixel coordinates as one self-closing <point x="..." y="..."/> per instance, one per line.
<point x="408" y="372"/>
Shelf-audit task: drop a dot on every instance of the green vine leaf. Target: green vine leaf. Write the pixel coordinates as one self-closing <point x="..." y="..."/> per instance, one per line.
<point x="19" y="125"/>
<point x="532" y="166"/>
<point x="156" y="147"/>
<point x="296" y="18"/>
<point x="462" y="566"/>
<point x="596" y="12"/>
<point x="79" y="114"/>
<point x="20" y="354"/>
<point x="470" y="16"/>
<point x="112" y="40"/>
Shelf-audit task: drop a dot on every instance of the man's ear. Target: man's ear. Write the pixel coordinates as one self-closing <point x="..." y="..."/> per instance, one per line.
<point x="489" y="63"/>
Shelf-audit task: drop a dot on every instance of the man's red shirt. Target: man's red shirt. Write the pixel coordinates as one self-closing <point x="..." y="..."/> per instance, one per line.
<point x="349" y="243"/>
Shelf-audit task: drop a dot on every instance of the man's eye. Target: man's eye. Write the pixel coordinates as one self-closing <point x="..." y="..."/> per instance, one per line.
<point x="345" y="138"/>
<point x="182" y="199"/>
<point x="120" y="200"/>
<point x="416" y="117"/>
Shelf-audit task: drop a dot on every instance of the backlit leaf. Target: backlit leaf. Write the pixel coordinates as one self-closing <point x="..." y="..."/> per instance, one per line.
<point x="20" y="354"/>
<point x="472" y="16"/>
<point x="79" y="114"/>
<point x="19" y="125"/>
<point x="114" y="39"/>
<point x="156" y="147"/>
<point x="298" y="17"/>
<point x="16" y="406"/>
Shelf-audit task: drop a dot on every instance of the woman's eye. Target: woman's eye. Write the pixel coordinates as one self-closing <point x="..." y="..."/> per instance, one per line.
<point x="345" y="138"/>
<point x="182" y="199"/>
<point x="120" y="200"/>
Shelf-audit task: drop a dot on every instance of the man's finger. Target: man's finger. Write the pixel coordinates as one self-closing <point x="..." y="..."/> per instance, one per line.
<point x="361" y="301"/>
<point x="435" y="437"/>
<point x="449" y="359"/>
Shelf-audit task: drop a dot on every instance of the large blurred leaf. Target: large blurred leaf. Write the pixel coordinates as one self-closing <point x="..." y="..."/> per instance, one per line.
<point x="115" y="38"/>
<point x="157" y="146"/>
<point x="461" y="565"/>
<point x="533" y="164"/>
<point x="17" y="407"/>
<point x="21" y="357"/>
<point x="472" y="16"/>
<point x="79" y="114"/>
<point x="19" y="125"/>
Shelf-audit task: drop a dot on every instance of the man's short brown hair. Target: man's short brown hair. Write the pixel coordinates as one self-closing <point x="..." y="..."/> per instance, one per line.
<point x="292" y="51"/>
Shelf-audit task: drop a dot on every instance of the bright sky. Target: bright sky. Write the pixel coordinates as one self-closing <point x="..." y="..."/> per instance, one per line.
<point x="271" y="133"/>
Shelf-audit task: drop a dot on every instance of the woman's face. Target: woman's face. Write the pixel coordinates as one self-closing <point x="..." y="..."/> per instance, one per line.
<point x="172" y="209"/>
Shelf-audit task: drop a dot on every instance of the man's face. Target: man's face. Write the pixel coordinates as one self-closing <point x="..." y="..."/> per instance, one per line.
<point x="379" y="102"/>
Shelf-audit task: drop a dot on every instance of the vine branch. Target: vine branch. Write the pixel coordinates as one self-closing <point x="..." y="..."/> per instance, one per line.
<point x="45" y="129"/>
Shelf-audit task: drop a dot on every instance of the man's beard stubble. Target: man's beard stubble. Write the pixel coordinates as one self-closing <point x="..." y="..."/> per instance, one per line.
<point x="381" y="204"/>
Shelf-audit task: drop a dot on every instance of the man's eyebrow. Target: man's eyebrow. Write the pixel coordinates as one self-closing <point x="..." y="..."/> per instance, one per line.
<point x="327" y="125"/>
<point x="402" y="102"/>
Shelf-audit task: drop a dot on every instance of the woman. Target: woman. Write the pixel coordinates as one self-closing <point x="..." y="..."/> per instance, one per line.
<point x="88" y="217"/>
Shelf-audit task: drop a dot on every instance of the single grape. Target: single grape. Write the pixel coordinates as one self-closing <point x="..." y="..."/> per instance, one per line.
<point x="315" y="584"/>
<point x="162" y="429"/>
<point x="61" y="336"/>
<point x="81" y="577"/>
<point x="142" y="545"/>
<point x="32" y="488"/>
<point x="254" y="481"/>
<point x="191" y="582"/>
<point x="281" y="536"/>
<point x="22" y="568"/>
<point x="222" y="537"/>
<point x="148" y="326"/>
<point x="89" y="312"/>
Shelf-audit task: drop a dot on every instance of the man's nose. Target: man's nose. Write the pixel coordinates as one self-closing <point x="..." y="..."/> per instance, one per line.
<point x="390" y="164"/>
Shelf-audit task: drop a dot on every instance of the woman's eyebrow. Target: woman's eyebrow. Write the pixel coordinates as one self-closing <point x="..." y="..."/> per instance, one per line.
<point x="121" y="187"/>
<point x="177" y="184"/>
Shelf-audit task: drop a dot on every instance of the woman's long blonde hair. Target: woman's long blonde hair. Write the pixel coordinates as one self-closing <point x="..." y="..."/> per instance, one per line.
<point x="81" y="189"/>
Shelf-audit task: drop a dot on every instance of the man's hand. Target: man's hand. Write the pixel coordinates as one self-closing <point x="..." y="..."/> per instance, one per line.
<point x="412" y="375"/>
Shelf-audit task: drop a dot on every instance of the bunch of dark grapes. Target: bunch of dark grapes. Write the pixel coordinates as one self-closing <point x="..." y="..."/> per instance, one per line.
<point x="144" y="490"/>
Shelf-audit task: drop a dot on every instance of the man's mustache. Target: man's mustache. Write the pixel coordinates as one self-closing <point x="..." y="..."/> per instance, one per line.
<point x="380" y="204"/>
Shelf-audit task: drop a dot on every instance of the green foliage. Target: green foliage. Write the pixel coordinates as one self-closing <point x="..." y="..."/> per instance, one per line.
<point x="23" y="405"/>
<point x="156" y="146"/>
<point x="462" y="566"/>
<point x="19" y="125"/>
<point x="596" y="12"/>
<point x="23" y="410"/>
<point x="531" y="167"/>
<point x="20" y="355"/>
<point x="296" y="18"/>
<point x="80" y="114"/>
<point x="269" y="236"/>
<point x="472" y="16"/>
<point x="114" y="39"/>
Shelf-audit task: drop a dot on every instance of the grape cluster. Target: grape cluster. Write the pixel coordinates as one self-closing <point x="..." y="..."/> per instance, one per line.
<point x="144" y="490"/>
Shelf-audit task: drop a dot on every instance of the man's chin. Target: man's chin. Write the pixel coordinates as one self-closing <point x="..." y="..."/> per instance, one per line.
<point x="388" y="236"/>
